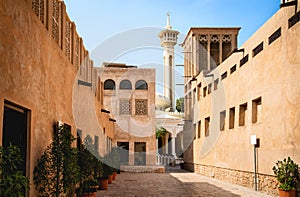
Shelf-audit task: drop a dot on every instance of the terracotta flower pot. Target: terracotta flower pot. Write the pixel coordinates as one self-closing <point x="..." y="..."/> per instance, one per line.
<point x="110" y="179"/>
<point x="104" y="184"/>
<point x="90" y="195"/>
<point x="114" y="175"/>
<point x="289" y="193"/>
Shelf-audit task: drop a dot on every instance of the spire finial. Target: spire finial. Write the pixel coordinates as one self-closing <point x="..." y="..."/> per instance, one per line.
<point x="168" y="21"/>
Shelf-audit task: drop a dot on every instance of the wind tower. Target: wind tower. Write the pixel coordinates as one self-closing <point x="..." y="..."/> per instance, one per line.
<point x="168" y="39"/>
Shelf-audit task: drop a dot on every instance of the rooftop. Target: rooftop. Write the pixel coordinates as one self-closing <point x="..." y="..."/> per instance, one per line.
<point x="117" y="65"/>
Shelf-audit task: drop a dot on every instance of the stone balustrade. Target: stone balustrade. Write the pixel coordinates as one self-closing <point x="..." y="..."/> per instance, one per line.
<point x="165" y="160"/>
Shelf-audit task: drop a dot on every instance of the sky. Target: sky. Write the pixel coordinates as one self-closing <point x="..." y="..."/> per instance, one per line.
<point x="126" y="30"/>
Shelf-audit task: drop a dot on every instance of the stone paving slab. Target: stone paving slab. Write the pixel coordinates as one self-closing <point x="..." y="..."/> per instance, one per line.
<point x="174" y="184"/>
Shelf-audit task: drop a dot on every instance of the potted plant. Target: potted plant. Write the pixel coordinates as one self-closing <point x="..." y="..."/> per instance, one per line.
<point x="107" y="168"/>
<point x="56" y="171"/>
<point x="86" y="163"/>
<point x="287" y="174"/>
<point x="88" y="188"/>
<point x="12" y="183"/>
<point x="103" y="178"/>
<point x="115" y="157"/>
<point x="99" y="173"/>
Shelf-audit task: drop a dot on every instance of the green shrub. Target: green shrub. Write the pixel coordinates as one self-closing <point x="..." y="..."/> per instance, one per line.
<point x="56" y="172"/>
<point x="12" y="181"/>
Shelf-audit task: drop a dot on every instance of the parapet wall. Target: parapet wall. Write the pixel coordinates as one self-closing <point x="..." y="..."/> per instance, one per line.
<point x="53" y="16"/>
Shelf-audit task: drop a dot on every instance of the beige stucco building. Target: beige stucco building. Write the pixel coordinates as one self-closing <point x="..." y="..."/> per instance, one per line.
<point x="129" y="95"/>
<point x="46" y="77"/>
<point x="250" y="91"/>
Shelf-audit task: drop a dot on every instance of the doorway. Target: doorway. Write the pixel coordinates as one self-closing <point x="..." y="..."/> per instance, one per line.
<point x="140" y="153"/>
<point x="124" y="152"/>
<point x="15" y="130"/>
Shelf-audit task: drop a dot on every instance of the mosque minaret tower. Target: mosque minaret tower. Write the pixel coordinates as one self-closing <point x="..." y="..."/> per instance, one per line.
<point x="168" y="39"/>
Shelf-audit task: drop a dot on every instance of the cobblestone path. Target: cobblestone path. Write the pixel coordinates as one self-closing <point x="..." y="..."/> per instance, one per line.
<point x="173" y="184"/>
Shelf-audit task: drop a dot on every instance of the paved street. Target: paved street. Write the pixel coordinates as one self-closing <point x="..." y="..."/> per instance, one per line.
<point x="173" y="183"/>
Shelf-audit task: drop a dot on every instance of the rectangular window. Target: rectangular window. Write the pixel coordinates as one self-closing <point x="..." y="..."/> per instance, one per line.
<point x="258" y="49"/>
<point x="222" y="120"/>
<point x="231" y="117"/>
<point x="194" y="129"/>
<point x="224" y="75"/>
<point x="199" y="91"/>
<point x="199" y="129"/>
<point x="102" y="92"/>
<point x="194" y="96"/>
<point x="244" y="60"/>
<point x="207" y="122"/>
<point x="96" y="143"/>
<point x="256" y="110"/>
<point x="125" y="107"/>
<point x="209" y="88"/>
<point x="108" y="144"/>
<point x="275" y="36"/>
<point x="141" y="106"/>
<point x="98" y="89"/>
<point x="204" y="91"/>
<point x="78" y="138"/>
<point x="233" y="69"/>
<point x="216" y="82"/>
<point x="243" y="114"/>
<point x="294" y="19"/>
<point x="16" y="121"/>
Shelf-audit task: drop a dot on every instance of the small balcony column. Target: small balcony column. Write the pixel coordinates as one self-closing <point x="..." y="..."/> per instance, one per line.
<point x="220" y="49"/>
<point x="208" y="52"/>
<point x="233" y="42"/>
<point x="157" y="146"/>
<point x="166" y="143"/>
<point x="173" y="146"/>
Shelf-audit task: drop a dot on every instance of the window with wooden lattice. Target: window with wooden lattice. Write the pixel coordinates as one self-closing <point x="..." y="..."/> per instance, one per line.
<point x="125" y="107"/>
<point x="141" y="107"/>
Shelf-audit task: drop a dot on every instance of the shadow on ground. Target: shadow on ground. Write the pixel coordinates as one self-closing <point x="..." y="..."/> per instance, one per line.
<point x="204" y="189"/>
<point x="196" y="187"/>
<point x="175" y="169"/>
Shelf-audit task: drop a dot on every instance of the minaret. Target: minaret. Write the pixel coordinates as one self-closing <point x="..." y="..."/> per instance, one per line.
<point x="168" y="39"/>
